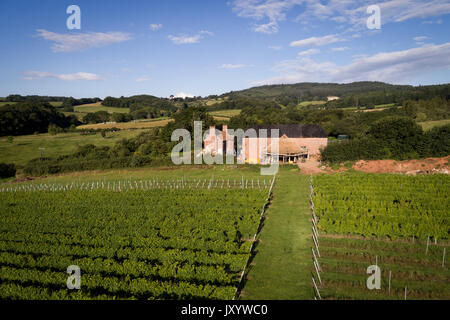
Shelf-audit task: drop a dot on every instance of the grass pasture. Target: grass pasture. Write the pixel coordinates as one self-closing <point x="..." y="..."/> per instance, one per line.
<point x="427" y="125"/>
<point x="4" y="103"/>
<point x="225" y="113"/>
<point x="147" y="124"/>
<point x="311" y="103"/>
<point x="95" y="107"/>
<point x="25" y="148"/>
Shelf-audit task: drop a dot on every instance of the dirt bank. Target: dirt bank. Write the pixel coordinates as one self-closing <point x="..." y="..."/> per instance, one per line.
<point x="422" y="166"/>
<point x="427" y="166"/>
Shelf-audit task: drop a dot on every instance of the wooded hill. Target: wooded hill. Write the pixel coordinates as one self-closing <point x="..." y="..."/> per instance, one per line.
<point x="351" y="94"/>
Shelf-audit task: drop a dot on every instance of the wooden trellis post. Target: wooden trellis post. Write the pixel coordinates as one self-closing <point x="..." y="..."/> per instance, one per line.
<point x="317" y="289"/>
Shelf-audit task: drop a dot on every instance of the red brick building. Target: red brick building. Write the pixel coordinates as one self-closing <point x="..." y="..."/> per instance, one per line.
<point x="261" y="145"/>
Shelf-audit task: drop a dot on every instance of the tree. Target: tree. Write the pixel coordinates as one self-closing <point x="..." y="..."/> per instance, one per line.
<point x="7" y="170"/>
<point x="400" y="135"/>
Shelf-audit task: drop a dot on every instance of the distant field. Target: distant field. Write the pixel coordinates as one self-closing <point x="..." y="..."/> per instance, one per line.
<point x="219" y="118"/>
<point x="79" y="115"/>
<point x="309" y="103"/>
<point x="378" y="107"/>
<point x="225" y="113"/>
<point x="25" y="148"/>
<point x="213" y="101"/>
<point x="4" y="103"/>
<point x="95" y="107"/>
<point x="129" y="125"/>
<point x="427" y="125"/>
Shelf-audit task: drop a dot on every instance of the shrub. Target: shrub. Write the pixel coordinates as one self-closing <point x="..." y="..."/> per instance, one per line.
<point x="7" y="170"/>
<point x="392" y="138"/>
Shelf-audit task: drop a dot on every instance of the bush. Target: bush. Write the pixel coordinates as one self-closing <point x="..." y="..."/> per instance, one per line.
<point x="392" y="138"/>
<point x="352" y="150"/>
<point x="7" y="170"/>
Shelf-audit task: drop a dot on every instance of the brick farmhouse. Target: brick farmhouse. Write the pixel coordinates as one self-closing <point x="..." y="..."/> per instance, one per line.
<point x="259" y="143"/>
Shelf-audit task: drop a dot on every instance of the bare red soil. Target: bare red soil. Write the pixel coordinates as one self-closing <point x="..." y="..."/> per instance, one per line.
<point x="429" y="165"/>
<point x="422" y="166"/>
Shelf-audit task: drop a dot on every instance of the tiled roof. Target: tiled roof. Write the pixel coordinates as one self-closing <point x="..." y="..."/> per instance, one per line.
<point x="293" y="130"/>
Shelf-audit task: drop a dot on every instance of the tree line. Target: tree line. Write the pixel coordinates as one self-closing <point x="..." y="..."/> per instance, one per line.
<point x="31" y="117"/>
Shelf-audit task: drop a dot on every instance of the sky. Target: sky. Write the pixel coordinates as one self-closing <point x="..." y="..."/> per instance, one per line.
<point x="204" y="47"/>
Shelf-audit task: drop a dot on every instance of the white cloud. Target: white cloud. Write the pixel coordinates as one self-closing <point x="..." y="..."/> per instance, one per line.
<point x="79" y="76"/>
<point x="82" y="41"/>
<point x="397" y="66"/>
<point x="142" y="79"/>
<point x="340" y="49"/>
<point x="184" y="95"/>
<point x="184" y="39"/>
<point x="273" y="10"/>
<point x="155" y="26"/>
<point x="208" y="33"/>
<point x="433" y="21"/>
<point x="350" y="12"/>
<point x="420" y="38"/>
<point x="276" y="48"/>
<point x="308" y="52"/>
<point x="232" y="66"/>
<point x="316" y="41"/>
<point x="354" y="12"/>
<point x="268" y="28"/>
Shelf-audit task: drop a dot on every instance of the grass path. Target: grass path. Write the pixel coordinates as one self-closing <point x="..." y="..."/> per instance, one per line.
<point x="280" y="269"/>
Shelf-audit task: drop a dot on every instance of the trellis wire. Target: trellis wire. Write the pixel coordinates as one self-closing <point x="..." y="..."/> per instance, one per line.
<point x="127" y="185"/>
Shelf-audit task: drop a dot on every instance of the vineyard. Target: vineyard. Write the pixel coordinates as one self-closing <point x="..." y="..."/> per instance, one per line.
<point x="399" y="223"/>
<point x="132" y="239"/>
<point x="393" y="206"/>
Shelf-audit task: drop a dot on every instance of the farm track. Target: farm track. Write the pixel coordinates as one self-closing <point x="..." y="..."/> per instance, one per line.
<point x="280" y="269"/>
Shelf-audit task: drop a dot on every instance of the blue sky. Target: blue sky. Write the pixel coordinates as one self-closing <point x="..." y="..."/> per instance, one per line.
<point x="211" y="47"/>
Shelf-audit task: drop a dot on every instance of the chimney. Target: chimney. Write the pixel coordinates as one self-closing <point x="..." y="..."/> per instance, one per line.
<point x="224" y="132"/>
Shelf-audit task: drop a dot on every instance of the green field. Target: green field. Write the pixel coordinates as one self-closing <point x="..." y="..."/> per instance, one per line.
<point x="427" y="125"/>
<point x="225" y="113"/>
<point x="383" y="220"/>
<point x="133" y="239"/>
<point x="4" y="103"/>
<point x="25" y="148"/>
<point x="379" y="106"/>
<point x="95" y="107"/>
<point x="311" y="103"/>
